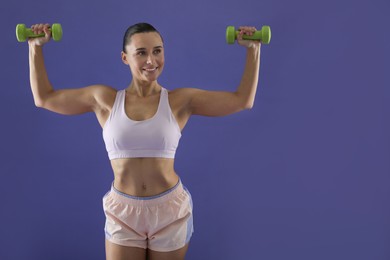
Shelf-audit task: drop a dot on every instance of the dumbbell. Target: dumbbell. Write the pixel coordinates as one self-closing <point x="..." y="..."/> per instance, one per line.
<point x="22" y="33"/>
<point x="264" y="35"/>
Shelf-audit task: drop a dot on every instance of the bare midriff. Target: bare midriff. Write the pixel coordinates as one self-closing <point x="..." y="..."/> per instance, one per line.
<point x="144" y="177"/>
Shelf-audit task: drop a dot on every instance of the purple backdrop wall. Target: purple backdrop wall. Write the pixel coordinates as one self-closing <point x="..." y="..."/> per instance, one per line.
<point x="303" y="175"/>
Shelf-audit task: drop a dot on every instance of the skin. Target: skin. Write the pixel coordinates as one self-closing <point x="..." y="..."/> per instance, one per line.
<point x="145" y="58"/>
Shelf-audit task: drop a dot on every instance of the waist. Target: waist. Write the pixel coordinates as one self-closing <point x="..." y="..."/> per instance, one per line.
<point x="144" y="176"/>
<point x="156" y="199"/>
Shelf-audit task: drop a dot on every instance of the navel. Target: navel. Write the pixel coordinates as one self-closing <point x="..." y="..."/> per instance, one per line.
<point x="144" y="186"/>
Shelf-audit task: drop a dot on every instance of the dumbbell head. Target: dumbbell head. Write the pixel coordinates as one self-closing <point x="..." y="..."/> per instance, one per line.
<point x="56" y="31"/>
<point x="230" y="34"/>
<point x="264" y="35"/>
<point x="22" y="33"/>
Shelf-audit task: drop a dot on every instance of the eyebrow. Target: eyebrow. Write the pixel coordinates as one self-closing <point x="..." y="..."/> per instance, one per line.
<point x="142" y="49"/>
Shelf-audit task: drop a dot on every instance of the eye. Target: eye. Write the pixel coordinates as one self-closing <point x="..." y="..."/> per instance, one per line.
<point x="141" y="53"/>
<point x="157" y="51"/>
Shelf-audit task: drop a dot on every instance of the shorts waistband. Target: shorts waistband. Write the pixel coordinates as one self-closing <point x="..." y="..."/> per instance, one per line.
<point x="152" y="200"/>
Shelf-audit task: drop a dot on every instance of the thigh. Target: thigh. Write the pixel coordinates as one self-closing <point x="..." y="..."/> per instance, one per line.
<point x="118" y="252"/>
<point x="174" y="227"/>
<point x="172" y="255"/>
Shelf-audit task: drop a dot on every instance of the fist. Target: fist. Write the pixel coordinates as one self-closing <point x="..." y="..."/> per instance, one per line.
<point x="247" y="30"/>
<point x="38" y="29"/>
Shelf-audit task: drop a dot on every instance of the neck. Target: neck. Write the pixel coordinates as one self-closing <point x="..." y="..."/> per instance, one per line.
<point x="144" y="89"/>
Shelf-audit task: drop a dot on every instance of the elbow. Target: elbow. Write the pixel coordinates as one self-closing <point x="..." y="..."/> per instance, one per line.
<point x="38" y="103"/>
<point x="248" y="105"/>
<point x="245" y="101"/>
<point x="41" y="100"/>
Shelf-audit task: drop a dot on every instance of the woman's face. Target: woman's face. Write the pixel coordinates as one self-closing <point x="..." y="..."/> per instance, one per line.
<point x="145" y="56"/>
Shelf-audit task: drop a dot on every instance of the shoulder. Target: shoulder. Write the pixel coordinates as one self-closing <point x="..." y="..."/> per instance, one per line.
<point x="104" y="96"/>
<point x="100" y="89"/>
<point x="187" y="95"/>
<point x="183" y="93"/>
<point x="180" y="99"/>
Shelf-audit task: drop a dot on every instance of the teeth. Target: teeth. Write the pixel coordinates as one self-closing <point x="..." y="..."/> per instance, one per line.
<point x="150" y="69"/>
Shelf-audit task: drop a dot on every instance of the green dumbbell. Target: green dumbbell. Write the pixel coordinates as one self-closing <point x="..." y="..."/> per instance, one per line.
<point x="22" y="33"/>
<point x="264" y="35"/>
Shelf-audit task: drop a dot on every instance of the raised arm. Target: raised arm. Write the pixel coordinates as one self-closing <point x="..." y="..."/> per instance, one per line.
<point x="221" y="103"/>
<point x="67" y="101"/>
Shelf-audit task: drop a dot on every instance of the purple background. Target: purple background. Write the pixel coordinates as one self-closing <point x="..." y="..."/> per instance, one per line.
<point x="303" y="175"/>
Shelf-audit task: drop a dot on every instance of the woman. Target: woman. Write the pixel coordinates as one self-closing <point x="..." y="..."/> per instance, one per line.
<point x="148" y="210"/>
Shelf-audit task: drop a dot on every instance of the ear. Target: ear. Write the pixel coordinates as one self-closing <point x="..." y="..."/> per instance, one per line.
<point x="124" y="58"/>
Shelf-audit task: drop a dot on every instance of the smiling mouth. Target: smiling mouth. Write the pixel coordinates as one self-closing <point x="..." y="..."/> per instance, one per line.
<point x="151" y="69"/>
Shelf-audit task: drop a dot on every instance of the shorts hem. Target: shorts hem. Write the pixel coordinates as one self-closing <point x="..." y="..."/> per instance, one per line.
<point x="127" y="244"/>
<point x="169" y="249"/>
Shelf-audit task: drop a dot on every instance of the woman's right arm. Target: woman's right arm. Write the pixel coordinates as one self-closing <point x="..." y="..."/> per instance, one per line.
<point x="66" y="101"/>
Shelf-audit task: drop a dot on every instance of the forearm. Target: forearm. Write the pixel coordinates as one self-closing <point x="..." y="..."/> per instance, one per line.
<point x="248" y="86"/>
<point x="39" y="81"/>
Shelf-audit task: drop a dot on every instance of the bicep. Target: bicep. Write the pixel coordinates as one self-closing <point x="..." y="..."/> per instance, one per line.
<point x="73" y="101"/>
<point x="214" y="103"/>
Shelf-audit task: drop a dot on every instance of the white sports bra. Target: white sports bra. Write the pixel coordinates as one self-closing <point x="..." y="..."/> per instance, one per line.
<point x="157" y="136"/>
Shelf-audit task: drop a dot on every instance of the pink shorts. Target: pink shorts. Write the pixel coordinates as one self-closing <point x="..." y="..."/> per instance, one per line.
<point x="161" y="223"/>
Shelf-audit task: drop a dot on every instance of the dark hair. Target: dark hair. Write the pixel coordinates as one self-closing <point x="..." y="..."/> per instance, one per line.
<point x="137" y="28"/>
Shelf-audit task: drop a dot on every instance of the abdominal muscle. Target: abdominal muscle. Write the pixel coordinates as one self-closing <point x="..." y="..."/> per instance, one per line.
<point x="144" y="177"/>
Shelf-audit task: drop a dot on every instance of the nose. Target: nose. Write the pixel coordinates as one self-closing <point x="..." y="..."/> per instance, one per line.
<point x="149" y="60"/>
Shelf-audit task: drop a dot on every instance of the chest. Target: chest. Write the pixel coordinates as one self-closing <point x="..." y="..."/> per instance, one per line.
<point x="141" y="108"/>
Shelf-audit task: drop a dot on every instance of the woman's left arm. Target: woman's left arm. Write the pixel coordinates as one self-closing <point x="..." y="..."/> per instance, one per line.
<point x="221" y="103"/>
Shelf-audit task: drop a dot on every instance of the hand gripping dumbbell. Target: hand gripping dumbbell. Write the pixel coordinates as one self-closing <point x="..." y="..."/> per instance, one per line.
<point x="22" y="33"/>
<point x="264" y="35"/>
